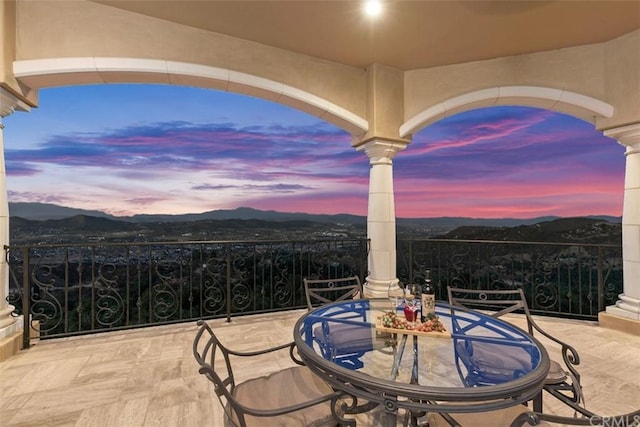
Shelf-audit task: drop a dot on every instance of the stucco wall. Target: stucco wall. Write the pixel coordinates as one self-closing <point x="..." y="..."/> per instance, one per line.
<point x="7" y="43"/>
<point x="384" y="102"/>
<point x="607" y="72"/>
<point x="622" y="80"/>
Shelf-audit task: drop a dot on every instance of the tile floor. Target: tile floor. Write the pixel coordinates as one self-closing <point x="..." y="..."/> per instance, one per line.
<point x="148" y="377"/>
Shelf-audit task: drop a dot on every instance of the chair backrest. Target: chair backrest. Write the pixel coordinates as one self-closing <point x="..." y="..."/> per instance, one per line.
<point x="566" y="386"/>
<point x="323" y="291"/>
<point x="496" y="302"/>
<point x="206" y="348"/>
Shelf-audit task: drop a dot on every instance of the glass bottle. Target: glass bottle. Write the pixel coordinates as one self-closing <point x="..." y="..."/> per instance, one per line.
<point x="417" y="291"/>
<point x="428" y="298"/>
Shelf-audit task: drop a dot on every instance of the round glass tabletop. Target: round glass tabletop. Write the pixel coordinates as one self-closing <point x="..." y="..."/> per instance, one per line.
<point x="481" y="361"/>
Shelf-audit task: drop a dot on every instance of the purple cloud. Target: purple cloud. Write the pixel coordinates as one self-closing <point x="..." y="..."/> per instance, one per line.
<point x="276" y="188"/>
<point x="496" y="143"/>
<point x="184" y="146"/>
<point x="21" y="169"/>
<point x="27" y="196"/>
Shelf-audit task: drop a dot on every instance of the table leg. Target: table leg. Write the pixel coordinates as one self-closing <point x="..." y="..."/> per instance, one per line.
<point x="391" y="420"/>
<point x="398" y="357"/>
<point x="391" y="417"/>
<point x="391" y="411"/>
<point x="414" y="370"/>
<point x="414" y="380"/>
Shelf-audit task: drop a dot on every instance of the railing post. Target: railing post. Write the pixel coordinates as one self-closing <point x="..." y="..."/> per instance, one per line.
<point x="364" y="259"/>
<point x="26" y="300"/>
<point x="600" y="281"/>
<point x="228" y="246"/>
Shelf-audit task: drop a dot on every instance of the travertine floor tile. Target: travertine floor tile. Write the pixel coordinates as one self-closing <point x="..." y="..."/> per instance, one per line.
<point x="148" y="377"/>
<point x="129" y="413"/>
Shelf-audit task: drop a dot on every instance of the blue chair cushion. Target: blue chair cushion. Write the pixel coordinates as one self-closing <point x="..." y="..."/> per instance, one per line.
<point x="490" y="363"/>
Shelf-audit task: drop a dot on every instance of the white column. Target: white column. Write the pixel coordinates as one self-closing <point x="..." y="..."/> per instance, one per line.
<point x="381" y="216"/>
<point x="629" y="303"/>
<point x="9" y="325"/>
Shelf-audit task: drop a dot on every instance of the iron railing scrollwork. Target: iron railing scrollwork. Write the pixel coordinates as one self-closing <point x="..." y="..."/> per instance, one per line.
<point x="81" y="288"/>
<point x="77" y="289"/>
<point x="561" y="279"/>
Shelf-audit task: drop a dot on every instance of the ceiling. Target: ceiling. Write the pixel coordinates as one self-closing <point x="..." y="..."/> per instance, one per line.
<point x="410" y="34"/>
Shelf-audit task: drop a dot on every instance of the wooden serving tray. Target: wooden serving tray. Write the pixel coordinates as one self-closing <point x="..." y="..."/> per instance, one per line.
<point x="433" y="334"/>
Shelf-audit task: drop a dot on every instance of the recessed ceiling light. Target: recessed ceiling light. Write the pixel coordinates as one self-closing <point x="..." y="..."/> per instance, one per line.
<point x="373" y="8"/>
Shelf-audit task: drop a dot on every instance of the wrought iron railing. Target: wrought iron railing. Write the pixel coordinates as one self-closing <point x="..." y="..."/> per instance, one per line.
<point x="85" y="288"/>
<point x="77" y="289"/>
<point x="559" y="279"/>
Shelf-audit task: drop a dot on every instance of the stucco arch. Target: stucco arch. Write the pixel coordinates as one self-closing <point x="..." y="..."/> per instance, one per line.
<point x="96" y="70"/>
<point x="581" y="106"/>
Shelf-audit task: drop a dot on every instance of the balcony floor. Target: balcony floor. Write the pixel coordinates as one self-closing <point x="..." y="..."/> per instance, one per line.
<point x="148" y="377"/>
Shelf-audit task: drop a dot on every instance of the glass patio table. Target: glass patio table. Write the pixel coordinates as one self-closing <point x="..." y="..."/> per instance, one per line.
<point x="483" y="364"/>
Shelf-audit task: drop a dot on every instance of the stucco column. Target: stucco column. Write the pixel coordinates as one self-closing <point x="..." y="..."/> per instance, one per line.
<point x="10" y="327"/>
<point x="629" y="303"/>
<point x="381" y="216"/>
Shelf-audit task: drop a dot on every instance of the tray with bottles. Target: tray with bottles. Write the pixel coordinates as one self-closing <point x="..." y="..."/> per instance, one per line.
<point x="398" y="324"/>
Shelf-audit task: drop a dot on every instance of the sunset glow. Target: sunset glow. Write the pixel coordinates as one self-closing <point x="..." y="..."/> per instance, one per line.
<point x="133" y="149"/>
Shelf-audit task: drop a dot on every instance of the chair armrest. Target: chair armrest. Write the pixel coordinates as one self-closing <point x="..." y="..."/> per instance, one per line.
<point x="295" y="356"/>
<point x="288" y="345"/>
<point x="570" y="355"/>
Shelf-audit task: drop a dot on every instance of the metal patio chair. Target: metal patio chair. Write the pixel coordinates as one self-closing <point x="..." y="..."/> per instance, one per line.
<point x="293" y="396"/>
<point x="322" y="291"/>
<point x="563" y="380"/>
<point x="342" y="343"/>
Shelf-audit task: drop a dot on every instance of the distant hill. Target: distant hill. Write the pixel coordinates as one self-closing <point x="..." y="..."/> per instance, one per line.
<point x="250" y="214"/>
<point x="83" y="228"/>
<point x="245" y="223"/>
<point x="75" y="223"/>
<point x="45" y="211"/>
<point x="452" y="222"/>
<point x="578" y="230"/>
<point x="91" y="223"/>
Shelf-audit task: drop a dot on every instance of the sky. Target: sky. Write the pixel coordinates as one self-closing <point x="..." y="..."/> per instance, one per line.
<point x="157" y="149"/>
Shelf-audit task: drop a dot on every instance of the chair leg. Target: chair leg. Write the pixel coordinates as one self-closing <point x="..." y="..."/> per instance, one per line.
<point x="537" y="402"/>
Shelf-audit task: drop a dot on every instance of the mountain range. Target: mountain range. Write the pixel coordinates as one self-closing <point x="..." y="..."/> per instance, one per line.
<point x="250" y="224"/>
<point x="47" y="211"/>
<point x="575" y="230"/>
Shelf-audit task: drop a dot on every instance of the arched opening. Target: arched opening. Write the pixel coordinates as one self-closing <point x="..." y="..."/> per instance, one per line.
<point x="145" y="149"/>
<point x="519" y="162"/>
<point x="166" y="148"/>
<point x="516" y="170"/>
